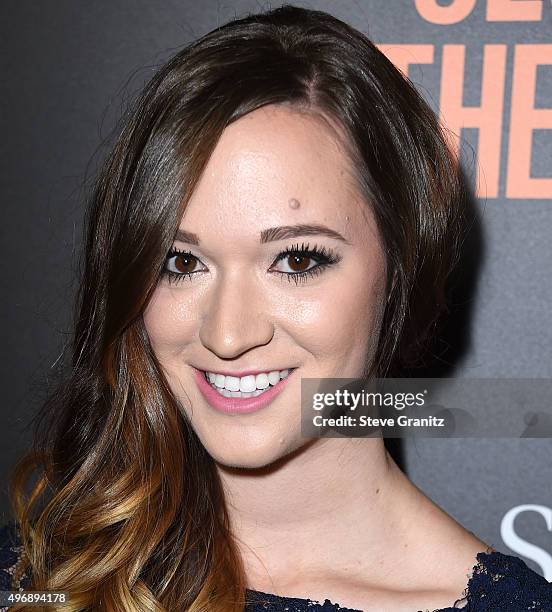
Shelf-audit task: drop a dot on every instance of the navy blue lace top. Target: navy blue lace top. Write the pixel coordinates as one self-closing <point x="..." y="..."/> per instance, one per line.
<point x="498" y="583"/>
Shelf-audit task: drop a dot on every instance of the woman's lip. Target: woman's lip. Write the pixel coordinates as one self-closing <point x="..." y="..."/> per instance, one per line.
<point x="237" y="405"/>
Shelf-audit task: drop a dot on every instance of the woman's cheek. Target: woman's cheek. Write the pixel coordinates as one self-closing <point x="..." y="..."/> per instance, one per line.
<point x="171" y="317"/>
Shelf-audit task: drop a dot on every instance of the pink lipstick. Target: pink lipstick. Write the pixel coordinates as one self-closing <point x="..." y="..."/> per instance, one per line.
<point x="237" y="405"/>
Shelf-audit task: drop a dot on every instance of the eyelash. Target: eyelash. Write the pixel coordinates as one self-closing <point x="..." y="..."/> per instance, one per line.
<point x="324" y="256"/>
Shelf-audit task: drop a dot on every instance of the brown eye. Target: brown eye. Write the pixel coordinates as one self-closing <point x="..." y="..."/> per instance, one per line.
<point x="184" y="263"/>
<point x="298" y="263"/>
<point x="180" y="265"/>
<point x="301" y="262"/>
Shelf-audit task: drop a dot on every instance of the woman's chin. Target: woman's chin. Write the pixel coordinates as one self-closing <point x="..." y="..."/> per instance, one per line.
<point x="252" y="454"/>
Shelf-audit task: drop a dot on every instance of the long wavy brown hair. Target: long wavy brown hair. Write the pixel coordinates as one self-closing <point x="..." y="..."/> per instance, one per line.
<point x="119" y="504"/>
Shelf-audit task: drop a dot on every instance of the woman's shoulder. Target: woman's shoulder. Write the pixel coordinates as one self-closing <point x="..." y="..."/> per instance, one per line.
<point x="11" y="558"/>
<point x="497" y="582"/>
<point x="500" y="581"/>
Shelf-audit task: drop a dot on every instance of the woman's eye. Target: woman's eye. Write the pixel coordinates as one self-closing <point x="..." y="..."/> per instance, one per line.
<point x="184" y="264"/>
<point x="179" y="265"/>
<point x="300" y="263"/>
<point x="293" y="264"/>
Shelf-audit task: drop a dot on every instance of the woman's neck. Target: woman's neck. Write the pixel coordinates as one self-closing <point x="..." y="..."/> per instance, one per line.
<point x="333" y="503"/>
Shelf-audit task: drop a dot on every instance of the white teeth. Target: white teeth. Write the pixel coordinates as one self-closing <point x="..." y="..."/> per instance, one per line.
<point x="246" y="385"/>
<point x="261" y="381"/>
<point x="227" y="393"/>
<point x="232" y="383"/>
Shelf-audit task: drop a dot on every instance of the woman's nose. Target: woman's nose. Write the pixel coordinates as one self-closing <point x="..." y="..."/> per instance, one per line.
<point x="236" y="318"/>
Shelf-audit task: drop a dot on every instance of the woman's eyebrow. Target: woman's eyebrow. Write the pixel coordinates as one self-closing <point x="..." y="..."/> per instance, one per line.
<point x="276" y="233"/>
<point x="302" y="229"/>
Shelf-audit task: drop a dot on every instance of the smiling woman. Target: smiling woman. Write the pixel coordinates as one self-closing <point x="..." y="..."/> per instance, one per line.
<point x="281" y="204"/>
<point x="225" y="355"/>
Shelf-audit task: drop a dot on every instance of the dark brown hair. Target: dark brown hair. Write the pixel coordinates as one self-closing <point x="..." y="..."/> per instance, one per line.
<point x="128" y="512"/>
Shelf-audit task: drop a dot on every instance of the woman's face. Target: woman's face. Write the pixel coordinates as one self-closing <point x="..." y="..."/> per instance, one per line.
<point x="238" y="304"/>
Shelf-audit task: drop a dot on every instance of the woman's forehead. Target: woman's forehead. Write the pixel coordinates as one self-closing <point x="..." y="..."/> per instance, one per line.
<point x="275" y="166"/>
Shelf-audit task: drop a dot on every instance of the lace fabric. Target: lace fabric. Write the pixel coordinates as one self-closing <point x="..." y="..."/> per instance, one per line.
<point x="497" y="583"/>
<point x="11" y="561"/>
